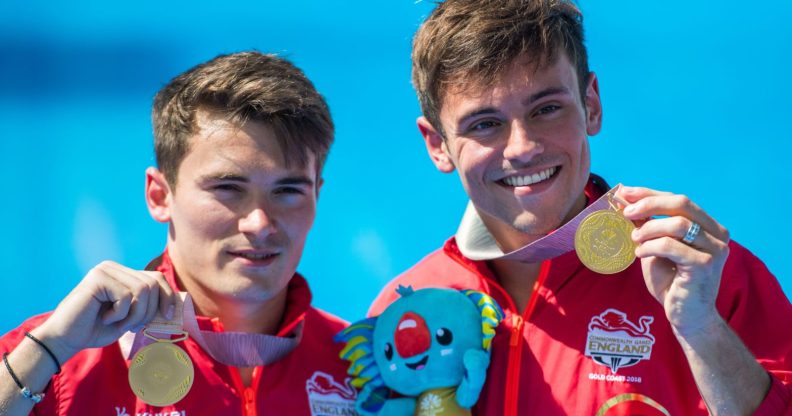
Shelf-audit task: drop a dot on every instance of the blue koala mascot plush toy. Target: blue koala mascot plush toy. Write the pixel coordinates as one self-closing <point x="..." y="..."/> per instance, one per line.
<point x="431" y="347"/>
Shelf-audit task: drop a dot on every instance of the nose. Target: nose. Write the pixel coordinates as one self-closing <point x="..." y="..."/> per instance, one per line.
<point x="257" y="222"/>
<point x="521" y="145"/>
<point x="412" y="335"/>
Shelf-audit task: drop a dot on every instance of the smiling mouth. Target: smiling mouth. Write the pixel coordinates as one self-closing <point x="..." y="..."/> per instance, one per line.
<point x="418" y="364"/>
<point x="525" y="180"/>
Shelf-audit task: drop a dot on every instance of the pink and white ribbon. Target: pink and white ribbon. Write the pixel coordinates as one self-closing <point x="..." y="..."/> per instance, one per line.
<point x="477" y="243"/>
<point x="237" y="349"/>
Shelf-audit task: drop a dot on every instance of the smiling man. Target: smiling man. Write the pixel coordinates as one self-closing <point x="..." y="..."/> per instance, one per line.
<point x="240" y="142"/>
<point x="690" y="326"/>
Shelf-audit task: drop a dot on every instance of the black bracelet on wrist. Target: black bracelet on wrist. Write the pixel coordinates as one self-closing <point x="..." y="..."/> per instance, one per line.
<point x="35" y="397"/>
<point x="37" y="341"/>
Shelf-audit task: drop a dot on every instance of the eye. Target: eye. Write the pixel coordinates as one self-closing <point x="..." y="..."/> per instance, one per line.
<point x="388" y="351"/>
<point x="227" y="187"/>
<point x="484" y="125"/>
<point x="289" y="190"/>
<point x="444" y="336"/>
<point x="548" y="109"/>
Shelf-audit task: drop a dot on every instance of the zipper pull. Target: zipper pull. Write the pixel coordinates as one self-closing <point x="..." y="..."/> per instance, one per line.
<point x="517" y="326"/>
<point x="249" y="400"/>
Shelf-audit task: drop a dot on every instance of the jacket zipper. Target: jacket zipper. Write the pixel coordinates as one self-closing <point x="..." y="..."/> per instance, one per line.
<point x="516" y="341"/>
<point x="250" y="402"/>
<point x="247" y="393"/>
<point x="513" y="366"/>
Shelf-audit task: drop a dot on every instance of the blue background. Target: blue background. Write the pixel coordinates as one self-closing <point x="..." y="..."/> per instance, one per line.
<point x="696" y="100"/>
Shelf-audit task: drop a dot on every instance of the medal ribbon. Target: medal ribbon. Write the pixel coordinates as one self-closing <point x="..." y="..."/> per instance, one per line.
<point x="477" y="243"/>
<point x="237" y="349"/>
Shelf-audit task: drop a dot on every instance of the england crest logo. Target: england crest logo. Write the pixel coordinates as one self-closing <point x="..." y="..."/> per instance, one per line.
<point x="329" y="397"/>
<point x="615" y="342"/>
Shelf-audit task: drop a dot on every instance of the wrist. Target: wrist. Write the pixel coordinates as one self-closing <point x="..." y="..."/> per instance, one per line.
<point x="702" y="331"/>
<point x="55" y="342"/>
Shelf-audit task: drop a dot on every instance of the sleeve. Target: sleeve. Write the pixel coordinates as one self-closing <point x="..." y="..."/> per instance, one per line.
<point x="755" y="306"/>
<point x="426" y="273"/>
<point x="10" y="340"/>
<point x="437" y="269"/>
<point x="777" y="401"/>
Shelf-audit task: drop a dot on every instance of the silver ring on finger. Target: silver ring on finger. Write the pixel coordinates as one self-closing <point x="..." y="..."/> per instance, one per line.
<point x="691" y="233"/>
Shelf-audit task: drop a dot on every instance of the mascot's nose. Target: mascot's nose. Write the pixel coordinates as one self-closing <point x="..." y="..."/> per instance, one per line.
<point x="412" y="335"/>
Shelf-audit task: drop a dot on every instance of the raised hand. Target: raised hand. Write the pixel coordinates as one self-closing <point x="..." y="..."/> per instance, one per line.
<point x="682" y="262"/>
<point x="110" y="300"/>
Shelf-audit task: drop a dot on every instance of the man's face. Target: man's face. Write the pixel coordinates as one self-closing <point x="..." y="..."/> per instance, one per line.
<point x="238" y="216"/>
<point x="520" y="146"/>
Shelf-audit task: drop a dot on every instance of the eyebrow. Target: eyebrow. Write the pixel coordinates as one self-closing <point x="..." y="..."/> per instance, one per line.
<point x="544" y="93"/>
<point x="295" y="180"/>
<point x="224" y="177"/>
<point x="232" y="177"/>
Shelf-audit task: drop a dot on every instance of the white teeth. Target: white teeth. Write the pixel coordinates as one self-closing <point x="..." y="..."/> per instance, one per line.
<point x="529" y="179"/>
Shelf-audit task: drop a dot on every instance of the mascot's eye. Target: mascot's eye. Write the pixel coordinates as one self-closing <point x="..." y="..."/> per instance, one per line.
<point x="388" y="351"/>
<point x="444" y="336"/>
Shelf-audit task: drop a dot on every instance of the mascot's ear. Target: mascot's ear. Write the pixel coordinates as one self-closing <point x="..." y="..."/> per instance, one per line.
<point x="491" y="315"/>
<point x="405" y="290"/>
<point x="360" y="353"/>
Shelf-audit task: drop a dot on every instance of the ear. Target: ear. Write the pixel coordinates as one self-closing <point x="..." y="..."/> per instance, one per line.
<point x="319" y="183"/>
<point x="593" y="106"/>
<point x="158" y="195"/>
<point x="435" y="146"/>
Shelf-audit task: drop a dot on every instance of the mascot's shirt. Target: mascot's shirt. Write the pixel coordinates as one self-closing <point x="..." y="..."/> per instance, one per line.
<point x="311" y="380"/>
<point x="601" y="345"/>
<point x="439" y="402"/>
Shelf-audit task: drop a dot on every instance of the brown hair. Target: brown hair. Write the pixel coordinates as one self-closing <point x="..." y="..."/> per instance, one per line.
<point x="477" y="40"/>
<point x="244" y="86"/>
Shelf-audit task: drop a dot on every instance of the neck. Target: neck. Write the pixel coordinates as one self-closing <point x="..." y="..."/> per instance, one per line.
<point x="511" y="236"/>
<point x="256" y="317"/>
<point x="518" y="280"/>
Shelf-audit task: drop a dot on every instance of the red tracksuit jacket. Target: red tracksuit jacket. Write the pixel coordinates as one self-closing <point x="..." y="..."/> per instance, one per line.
<point x="310" y="380"/>
<point x="590" y="344"/>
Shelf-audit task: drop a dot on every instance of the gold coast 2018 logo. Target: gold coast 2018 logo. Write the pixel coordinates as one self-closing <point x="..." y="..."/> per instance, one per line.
<point x="615" y="342"/>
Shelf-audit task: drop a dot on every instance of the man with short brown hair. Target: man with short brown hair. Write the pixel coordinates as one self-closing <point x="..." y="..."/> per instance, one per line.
<point x="240" y="142"/>
<point x="508" y="102"/>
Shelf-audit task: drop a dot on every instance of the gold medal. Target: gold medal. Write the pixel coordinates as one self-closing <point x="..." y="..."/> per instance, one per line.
<point x="603" y="242"/>
<point x="161" y="373"/>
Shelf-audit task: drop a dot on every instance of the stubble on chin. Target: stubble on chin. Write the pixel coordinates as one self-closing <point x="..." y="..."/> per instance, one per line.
<point x="535" y="226"/>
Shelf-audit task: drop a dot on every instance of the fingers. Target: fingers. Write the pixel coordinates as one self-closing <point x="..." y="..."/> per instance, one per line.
<point x="167" y="297"/>
<point x="676" y="251"/>
<point x="116" y="295"/>
<point x="645" y="203"/>
<point x="145" y="296"/>
<point x="135" y="296"/>
<point x="676" y="228"/>
<point x="658" y="273"/>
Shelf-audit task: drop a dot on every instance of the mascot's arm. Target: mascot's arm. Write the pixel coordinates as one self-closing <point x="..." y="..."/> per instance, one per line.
<point x="373" y="401"/>
<point x="476" y="363"/>
<point x="403" y="406"/>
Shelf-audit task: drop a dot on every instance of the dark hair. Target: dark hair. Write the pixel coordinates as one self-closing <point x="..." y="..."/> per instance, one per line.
<point x="242" y="87"/>
<point x="477" y="40"/>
